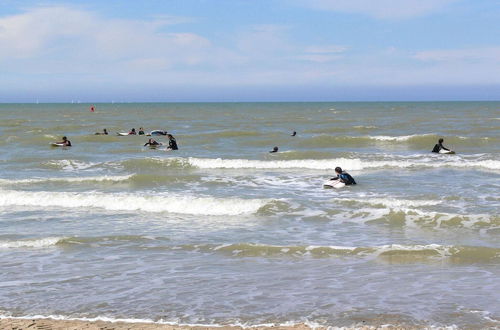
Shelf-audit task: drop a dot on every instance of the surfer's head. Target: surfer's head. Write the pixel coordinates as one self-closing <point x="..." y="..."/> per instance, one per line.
<point x="441" y="140"/>
<point x="338" y="170"/>
<point x="64" y="138"/>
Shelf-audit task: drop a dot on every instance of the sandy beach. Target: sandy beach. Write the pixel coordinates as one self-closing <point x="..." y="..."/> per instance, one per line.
<point x="50" y="324"/>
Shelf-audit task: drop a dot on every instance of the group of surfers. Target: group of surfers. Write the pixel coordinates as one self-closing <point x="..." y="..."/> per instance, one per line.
<point x="172" y="142"/>
<point x="341" y="175"/>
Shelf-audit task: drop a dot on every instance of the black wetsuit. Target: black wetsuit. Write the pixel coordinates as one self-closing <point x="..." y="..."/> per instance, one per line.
<point x="346" y="178"/>
<point x="172" y="144"/>
<point x="439" y="147"/>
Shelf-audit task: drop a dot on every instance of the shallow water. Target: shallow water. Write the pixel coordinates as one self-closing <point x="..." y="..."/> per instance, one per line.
<point x="222" y="232"/>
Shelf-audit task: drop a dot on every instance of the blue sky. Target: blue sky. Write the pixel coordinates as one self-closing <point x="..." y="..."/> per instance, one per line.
<point x="243" y="50"/>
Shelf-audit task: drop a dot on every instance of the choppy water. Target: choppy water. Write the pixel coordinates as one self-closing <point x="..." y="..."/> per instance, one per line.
<point x="222" y="232"/>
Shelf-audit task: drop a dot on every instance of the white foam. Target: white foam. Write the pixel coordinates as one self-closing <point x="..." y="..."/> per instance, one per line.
<point x="103" y="178"/>
<point x="346" y="163"/>
<point x="31" y="243"/>
<point x="69" y="165"/>
<point x="397" y="203"/>
<point x="397" y="138"/>
<point x="132" y="202"/>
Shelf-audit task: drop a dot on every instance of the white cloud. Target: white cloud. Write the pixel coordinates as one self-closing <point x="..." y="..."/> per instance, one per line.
<point x="381" y="9"/>
<point x="78" y="35"/>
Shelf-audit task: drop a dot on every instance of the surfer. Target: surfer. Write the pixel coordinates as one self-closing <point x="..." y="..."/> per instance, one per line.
<point x="343" y="177"/>
<point x="132" y="132"/>
<point x="294" y="133"/>
<point x="104" y="132"/>
<point x="172" y="143"/>
<point x="439" y="146"/>
<point x="141" y="131"/>
<point x="152" y="142"/>
<point x="65" y="142"/>
<point x="275" y="149"/>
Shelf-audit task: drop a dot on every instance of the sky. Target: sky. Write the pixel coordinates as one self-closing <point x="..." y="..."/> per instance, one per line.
<point x="249" y="50"/>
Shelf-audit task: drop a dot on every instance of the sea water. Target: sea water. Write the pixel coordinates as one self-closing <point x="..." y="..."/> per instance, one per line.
<point x="223" y="232"/>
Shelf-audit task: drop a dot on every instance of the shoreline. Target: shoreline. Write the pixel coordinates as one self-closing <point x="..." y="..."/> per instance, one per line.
<point x="47" y="323"/>
<point x="76" y="324"/>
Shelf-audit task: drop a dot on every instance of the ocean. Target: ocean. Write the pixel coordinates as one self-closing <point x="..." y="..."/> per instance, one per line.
<point x="223" y="232"/>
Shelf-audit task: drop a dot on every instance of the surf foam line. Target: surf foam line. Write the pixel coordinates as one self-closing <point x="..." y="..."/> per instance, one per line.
<point x="410" y="251"/>
<point x="196" y="205"/>
<point x="104" y="178"/>
<point x="30" y="243"/>
<point x="243" y="325"/>
<point x="329" y="164"/>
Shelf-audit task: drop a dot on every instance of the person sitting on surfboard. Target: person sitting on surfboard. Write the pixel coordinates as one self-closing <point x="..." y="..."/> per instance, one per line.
<point x="65" y="142"/>
<point x="294" y="133"/>
<point x="172" y="143"/>
<point x="152" y="142"/>
<point x="275" y="149"/>
<point x="104" y="132"/>
<point x="439" y="146"/>
<point x="141" y="131"/>
<point x="132" y="132"/>
<point x="343" y="177"/>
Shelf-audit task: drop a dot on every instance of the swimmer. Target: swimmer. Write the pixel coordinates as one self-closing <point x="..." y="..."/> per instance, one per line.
<point x="152" y="142"/>
<point x="104" y="132"/>
<point x="439" y="146"/>
<point x="65" y="142"/>
<point x="343" y="177"/>
<point x="275" y="149"/>
<point x="172" y="143"/>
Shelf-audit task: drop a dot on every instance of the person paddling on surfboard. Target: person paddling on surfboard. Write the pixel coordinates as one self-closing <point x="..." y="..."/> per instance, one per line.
<point x="152" y="142"/>
<point x="104" y="132"/>
<point x="132" y="132"/>
<point x="275" y="149"/>
<point x="343" y="177"/>
<point x="439" y="146"/>
<point x="65" y="142"/>
<point x="172" y="143"/>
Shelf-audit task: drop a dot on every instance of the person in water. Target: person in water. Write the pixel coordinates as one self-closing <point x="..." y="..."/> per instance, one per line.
<point x="152" y="142"/>
<point x="65" y="142"/>
<point x="439" y="146"/>
<point x="343" y="177"/>
<point x="132" y="132"/>
<point x="294" y="133"/>
<point x="172" y="143"/>
<point x="104" y="132"/>
<point x="275" y="149"/>
<point x="141" y="131"/>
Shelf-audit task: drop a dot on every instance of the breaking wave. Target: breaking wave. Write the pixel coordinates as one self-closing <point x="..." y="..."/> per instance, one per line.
<point x="131" y="202"/>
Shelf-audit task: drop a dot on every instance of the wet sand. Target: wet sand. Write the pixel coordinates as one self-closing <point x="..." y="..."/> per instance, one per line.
<point x="49" y="324"/>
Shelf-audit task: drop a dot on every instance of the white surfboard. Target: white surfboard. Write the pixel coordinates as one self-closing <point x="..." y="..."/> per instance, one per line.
<point x="122" y="133"/>
<point x="337" y="184"/>
<point x="442" y="151"/>
<point x="57" y="144"/>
